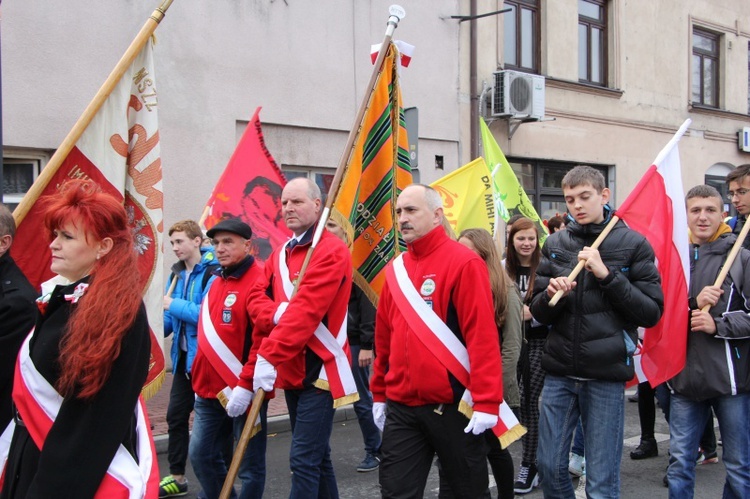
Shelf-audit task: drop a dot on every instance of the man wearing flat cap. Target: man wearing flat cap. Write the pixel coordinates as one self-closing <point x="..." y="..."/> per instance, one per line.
<point x="220" y="373"/>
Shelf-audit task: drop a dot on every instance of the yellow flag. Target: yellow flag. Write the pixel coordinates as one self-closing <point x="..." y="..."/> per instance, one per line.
<point x="467" y="197"/>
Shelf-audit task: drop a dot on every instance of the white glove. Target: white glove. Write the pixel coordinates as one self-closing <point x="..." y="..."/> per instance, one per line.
<point x="238" y="401"/>
<point x="280" y="311"/>
<point x="265" y="375"/>
<point x="378" y="414"/>
<point x="480" y="422"/>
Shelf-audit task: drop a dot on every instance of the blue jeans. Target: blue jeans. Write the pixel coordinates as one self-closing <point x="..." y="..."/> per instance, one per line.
<point x="363" y="407"/>
<point x="211" y="429"/>
<point x="687" y="420"/>
<point x="578" y="443"/>
<point x="311" y="414"/>
<point x="600" y="405"/>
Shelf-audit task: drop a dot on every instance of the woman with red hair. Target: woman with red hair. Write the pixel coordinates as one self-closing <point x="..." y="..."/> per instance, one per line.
<point x="80" y="428"/>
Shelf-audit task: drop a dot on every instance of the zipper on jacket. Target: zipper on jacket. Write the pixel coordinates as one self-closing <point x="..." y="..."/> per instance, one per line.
<point x="577" y="326"/>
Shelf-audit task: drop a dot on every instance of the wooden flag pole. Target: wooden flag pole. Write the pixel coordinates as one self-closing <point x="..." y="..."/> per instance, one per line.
<point x="245" y="436"/>
<point x="396" y="13"/>
<point x="730" y="259"/>
<point x="581" y="263"/>
<point x="88" y="114"/>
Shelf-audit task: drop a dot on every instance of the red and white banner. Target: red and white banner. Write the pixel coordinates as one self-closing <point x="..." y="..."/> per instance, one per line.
<point x="119" y="150"/>
<point x="656" y="209"/>
<point x="405" y="51"/>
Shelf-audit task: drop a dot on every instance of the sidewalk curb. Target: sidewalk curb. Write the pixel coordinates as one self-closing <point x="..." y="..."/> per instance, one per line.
<point x="276" y="424"/>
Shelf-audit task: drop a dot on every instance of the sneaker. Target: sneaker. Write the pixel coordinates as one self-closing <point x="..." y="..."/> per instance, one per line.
<point x="169" y="487"/>
<point x="576" y="464"/>
<point x="581" y="489"/>
<point x="706" y="457"/>
<point x="646" y="449"/>
<point x="369" y="463"/>
<point x="527" y="479"/>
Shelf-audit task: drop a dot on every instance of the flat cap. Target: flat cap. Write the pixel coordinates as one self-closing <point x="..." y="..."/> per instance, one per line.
<point x="233" y="225"/>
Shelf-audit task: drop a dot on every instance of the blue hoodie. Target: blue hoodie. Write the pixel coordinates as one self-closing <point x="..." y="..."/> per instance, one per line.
<point x="186" y="302"/>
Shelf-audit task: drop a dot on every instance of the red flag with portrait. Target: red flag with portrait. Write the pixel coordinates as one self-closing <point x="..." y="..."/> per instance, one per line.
<point x="250" y="189"/>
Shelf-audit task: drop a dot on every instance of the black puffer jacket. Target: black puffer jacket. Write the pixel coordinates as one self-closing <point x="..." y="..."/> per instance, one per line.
<point x="594" y="329"/>
<point x="717" y="365"/>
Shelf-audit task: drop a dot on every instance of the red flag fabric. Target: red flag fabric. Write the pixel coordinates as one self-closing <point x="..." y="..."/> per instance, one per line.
<point x="119" y="150"/>
<point x="656" y="209"/>
<point x="250" y="189"/>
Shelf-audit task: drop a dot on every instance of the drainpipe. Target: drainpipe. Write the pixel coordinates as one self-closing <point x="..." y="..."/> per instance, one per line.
<point x="473" y="97"/>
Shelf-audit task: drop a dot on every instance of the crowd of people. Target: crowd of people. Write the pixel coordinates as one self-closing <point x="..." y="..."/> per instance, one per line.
<point x="458" y="333"/>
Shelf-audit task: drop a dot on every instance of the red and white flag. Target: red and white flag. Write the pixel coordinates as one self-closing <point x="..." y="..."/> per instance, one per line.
<point x="119" y="150"/>
<point x="656" y="209"/>
<point x="250" y="189"/>
<point x="405" y="51"/>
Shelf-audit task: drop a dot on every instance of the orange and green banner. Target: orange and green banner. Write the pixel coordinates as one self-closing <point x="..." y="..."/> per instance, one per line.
<point x="468" y="200"/>
<point x="375" y="174"/>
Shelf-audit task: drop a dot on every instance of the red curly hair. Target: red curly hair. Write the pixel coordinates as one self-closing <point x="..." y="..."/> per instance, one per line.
<point x="104" y="314"/>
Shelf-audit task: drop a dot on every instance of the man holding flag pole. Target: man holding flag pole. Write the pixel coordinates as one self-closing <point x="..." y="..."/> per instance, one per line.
<point x="593" y="332"/>
<point x="718" y="346"/>
<point x="305" y="347"/>
<point x="362" y="205"/>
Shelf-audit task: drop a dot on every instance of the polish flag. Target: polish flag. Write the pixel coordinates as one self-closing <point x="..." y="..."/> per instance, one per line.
<point x="405" y="51"/>
<point x="656" y="209"/>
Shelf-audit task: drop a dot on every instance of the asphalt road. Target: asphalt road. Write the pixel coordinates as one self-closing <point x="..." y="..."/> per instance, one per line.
<point x="639" y="479"/>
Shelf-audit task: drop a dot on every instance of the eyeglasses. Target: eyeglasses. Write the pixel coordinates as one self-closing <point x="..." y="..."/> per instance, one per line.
<point x="738" y="193"/>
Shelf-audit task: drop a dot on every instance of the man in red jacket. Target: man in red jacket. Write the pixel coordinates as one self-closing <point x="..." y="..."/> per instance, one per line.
<point x="437" y="352"/>
<point x="306" y="345"/>
<point x="225" y="337"/>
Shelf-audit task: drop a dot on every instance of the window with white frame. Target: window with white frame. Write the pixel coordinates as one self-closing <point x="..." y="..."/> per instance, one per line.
<point x="322" y="176"/>
<point x="18" y="175"/>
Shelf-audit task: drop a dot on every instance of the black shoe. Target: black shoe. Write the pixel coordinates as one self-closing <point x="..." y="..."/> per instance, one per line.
<point x="648" y="448"/>
<point x="666" y="480"/>
<point x="527" y="479"/>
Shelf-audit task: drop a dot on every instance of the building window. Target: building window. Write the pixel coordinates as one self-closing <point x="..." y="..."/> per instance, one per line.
<point x="592" y="42"/>
<point x="542" y="181"/>
<point x="18" y="175"/>
<point x="321" y="176"/>
<point x="705" y="81"/>
<point x="521" y="35"/>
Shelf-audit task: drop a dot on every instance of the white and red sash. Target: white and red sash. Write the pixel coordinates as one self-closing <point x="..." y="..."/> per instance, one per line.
<point x="5" y="439"/>
<point x="38" y="404"/>
<point x="444" y="345"/>
<point x="336" y="373"/>
<point x="219" y="355"/>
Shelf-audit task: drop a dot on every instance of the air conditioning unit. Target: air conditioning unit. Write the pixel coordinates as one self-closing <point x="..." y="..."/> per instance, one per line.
<point x="744" y="139"/>
<point x="518" y="95"/>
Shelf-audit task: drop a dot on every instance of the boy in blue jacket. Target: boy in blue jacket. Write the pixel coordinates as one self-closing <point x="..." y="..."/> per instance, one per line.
<point x="191" y="275"/>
